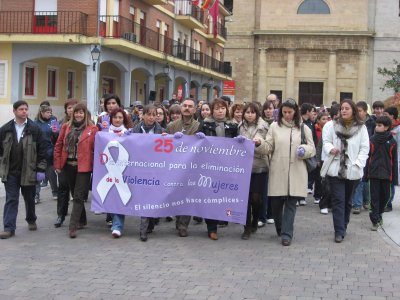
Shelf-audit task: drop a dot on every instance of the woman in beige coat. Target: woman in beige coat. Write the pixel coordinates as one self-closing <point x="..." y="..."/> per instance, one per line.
<point x="255" y="128"/>
<point x="288" y="171"/>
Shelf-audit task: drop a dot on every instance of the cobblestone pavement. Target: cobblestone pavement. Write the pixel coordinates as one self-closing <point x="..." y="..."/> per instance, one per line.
<point x="46" y="264"/>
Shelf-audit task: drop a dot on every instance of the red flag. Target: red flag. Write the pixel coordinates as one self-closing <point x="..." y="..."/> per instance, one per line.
<point x="214" y="13"/>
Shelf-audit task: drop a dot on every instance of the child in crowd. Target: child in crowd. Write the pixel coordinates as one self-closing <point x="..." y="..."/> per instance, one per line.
<point x="361" y="195"/>
<point x="322" y="118"/>
<point x="393" y="114"/>
<point x="382" y="169"/>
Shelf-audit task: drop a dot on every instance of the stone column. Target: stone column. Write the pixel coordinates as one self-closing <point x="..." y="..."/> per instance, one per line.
<point x="362" y="76"/>
<point x="262" y="75"/>
<point x="331" y="77"/>
<point x="92" y="87"/>
<point x="126" y="88"/>
<point x="290" y="74"/>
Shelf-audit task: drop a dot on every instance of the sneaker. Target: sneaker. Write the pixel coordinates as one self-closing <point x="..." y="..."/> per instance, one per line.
<point x="297" y="203"/>
<point x="303" y="202"/>
<point x="270" y="221"/>
<point x="37" y="200"/>
<point x="324" y="211"/>
<point x="32" y="226"/>
<point x="309" y="191"/>
<point x="338" y="238"/>
<point x="55" y="196"/>
<point x="109" y="223"/>
<point x="260" y="224"/>
<point x="374" y="227"/>
<point x="356" y="210"/>
<point x="116" y="233"/>
<point x="316" y="200"/>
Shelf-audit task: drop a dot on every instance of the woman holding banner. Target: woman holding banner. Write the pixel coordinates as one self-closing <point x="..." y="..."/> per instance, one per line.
<point x="148" y="125"/>
<point x="255" y="128"/>
<point x="288" y="171"/>
<point x="217" y="124"/>
<point x="73" y="154"/>
<point x="119" y="124"/>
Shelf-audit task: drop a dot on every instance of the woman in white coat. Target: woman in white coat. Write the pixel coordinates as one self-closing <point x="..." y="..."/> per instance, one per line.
<point x="288" y="172"/>
<point x="346" y="143"/>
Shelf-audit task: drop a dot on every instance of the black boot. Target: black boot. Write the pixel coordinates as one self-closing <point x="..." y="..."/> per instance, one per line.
<point x="246" y="233"/>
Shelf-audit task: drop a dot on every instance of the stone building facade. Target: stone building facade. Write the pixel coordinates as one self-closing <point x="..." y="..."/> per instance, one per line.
<point x="311" y="50"/>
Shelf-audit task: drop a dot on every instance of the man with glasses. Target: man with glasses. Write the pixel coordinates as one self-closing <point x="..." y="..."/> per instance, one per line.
<point x="189" y="126"/>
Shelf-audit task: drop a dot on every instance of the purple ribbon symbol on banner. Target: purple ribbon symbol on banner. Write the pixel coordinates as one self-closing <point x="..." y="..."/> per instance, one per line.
<point x="114" y="175"/>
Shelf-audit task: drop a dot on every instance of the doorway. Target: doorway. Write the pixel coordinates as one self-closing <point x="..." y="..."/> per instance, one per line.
<point x="311" y="92"/>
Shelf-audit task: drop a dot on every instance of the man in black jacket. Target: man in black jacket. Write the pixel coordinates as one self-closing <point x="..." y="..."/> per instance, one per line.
<point x="22" y="164"/>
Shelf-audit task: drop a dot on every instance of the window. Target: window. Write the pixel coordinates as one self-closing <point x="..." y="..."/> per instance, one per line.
<point x="346" y="95"/>
<point x="30" y="80"/>
<point x="45" y="17"/>
<point x="70" y="84"/>
<point x="314" y="7"/>
<point x="52" y="86"/>
<point x="311" y="92"/>
<point x="3" y="78"/>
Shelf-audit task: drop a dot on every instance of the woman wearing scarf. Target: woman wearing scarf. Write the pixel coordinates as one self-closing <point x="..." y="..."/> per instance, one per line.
<point x="44" y="120"/>
<point x="287" y="182"/>
<point x="147" y="125"/>
<point x="255" y="128"/>
<point x="119" y="124"/>
<point x="346" y="144"/>
<point x="218" y="124"/>
<point x="73" y="154"/>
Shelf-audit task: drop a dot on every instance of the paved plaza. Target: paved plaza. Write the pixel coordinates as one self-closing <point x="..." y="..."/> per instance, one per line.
<point x="47" y="264"/>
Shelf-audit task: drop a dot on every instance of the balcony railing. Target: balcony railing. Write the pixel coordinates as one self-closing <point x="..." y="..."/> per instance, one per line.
<point x="120" y="27"/>
<point x="221" y="30"/>
<point x="186" y="8"/>
<point x="63" y="22"/>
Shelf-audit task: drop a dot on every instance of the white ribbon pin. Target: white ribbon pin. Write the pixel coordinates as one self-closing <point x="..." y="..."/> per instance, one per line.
<point x="115" y="174"/>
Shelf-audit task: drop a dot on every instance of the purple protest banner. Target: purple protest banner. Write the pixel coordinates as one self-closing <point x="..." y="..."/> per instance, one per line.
<point x="158" y="176"/>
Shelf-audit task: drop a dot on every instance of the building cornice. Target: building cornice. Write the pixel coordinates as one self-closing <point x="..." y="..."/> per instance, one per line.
<point x="314" y="32"/>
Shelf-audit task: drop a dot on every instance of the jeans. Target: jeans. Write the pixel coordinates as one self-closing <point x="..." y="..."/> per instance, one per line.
<point x="79" y="185"/>
<point x="361" y="194"/>
<point x="12" y="187"/>
<point x="52" y="177"/>
<point x="392" y="190"/>
<point x="118" y="222"/>
<point x="342" y="191"/>
<point x="284" y="211"/>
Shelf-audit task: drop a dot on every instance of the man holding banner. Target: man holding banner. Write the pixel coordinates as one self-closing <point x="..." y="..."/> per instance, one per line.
<point x="189" y="126"/>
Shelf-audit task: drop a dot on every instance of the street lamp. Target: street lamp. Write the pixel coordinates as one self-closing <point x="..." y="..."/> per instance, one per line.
<point x="95" y="56"/>
<point x="166" y="69"/>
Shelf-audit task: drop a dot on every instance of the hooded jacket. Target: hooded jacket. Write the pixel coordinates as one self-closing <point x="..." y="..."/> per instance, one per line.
<point x="382" y="161"/>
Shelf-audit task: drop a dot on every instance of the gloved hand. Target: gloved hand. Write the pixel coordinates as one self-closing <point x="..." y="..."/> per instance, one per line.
<point x="178" y="135"/>
<point x="40" y="176"/>
<point x="240" y="138"/>
<point x="55" y="127"/>
<point x="300" y="152"/>
<point x="200" y="135"/>
<point x="128" y="132"/>
<point x="105" y="122"/>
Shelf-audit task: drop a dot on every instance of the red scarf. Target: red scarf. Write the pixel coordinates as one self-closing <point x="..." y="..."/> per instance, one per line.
<point x="395" y="123"/>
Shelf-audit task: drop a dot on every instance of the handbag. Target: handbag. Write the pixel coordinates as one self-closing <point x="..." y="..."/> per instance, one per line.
<point x="311" y="162"/>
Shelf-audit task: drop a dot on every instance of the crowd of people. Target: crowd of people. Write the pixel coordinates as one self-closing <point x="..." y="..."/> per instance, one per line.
<point x="345" y="157"/>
